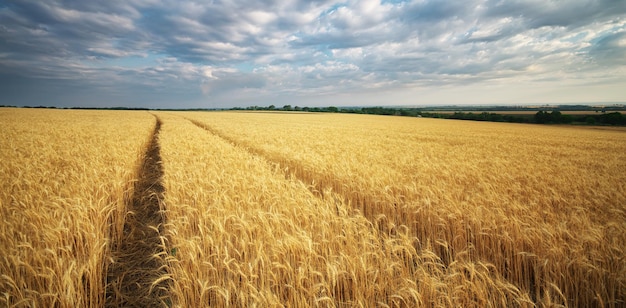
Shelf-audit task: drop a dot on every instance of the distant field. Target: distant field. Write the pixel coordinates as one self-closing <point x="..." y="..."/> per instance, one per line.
<point x="529" y="112"/>
<point x="194" y="209"/>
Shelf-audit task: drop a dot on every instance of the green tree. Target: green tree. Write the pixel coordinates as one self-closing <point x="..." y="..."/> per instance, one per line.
<point x="541" y="117"/>
<point x="555" y="116"/>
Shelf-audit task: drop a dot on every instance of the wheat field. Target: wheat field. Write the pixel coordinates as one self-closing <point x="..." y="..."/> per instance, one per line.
<point x="64" y="178"/>
<point x="543" y="205"/>
<point x="308" y="209"/>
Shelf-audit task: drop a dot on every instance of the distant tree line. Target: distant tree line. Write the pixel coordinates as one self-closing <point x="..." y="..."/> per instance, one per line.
<point x="556" y="117"/>
<point x="290" y="108"/>
<point x="541" y="117"/>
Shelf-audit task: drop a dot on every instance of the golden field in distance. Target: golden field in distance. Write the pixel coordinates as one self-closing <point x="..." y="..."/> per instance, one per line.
<point x="311" y="209"/>
<point x="527" y="112"/>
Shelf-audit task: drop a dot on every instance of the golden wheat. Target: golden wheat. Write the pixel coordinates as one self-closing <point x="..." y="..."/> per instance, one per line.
<point x="541" y="206"/>
<point x="64" y="177"/>
<point x="281" y="209"/>
<point x="244" y="234"/>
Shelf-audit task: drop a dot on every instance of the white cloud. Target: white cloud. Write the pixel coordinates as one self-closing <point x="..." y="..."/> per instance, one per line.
<point x="311" y="49"/>
<point x="261" y="17"/>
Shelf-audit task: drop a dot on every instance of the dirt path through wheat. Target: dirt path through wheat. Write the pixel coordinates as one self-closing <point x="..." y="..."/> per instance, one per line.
<point x="138" y="276"/>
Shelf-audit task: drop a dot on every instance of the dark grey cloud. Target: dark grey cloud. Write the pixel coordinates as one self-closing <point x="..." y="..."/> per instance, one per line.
<point x="572" y="13"/>
<point x="610" y="49"/>
<point x="143" y="52"/>
<point x="50" y="28"/>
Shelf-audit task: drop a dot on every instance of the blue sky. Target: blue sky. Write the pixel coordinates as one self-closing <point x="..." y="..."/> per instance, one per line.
<point x="214" y="54"/>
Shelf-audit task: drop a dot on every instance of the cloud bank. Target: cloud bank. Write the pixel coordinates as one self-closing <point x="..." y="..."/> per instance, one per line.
<point x="180" y="54"/>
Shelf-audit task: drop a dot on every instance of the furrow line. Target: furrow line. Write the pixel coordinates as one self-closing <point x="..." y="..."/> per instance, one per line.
<point x="138" y="274"/>
<point x="319" y="183"/>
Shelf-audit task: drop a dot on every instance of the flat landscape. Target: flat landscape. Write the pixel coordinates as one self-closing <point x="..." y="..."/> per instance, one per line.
<point x="528" y="112"/>
<point x="197" y="209"/>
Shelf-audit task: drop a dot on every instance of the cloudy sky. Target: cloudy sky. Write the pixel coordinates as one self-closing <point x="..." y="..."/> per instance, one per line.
<point x="183" y="53"/>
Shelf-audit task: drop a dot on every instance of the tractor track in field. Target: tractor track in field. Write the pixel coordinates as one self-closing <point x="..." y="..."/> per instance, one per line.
<point x="137" y="276"/>
<point x="293" y="169"/>
<point x="310" y="178"/>
<point x="384" y="221"/>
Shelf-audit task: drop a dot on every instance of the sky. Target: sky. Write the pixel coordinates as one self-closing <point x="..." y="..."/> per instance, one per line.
<point x="222" y="54"/>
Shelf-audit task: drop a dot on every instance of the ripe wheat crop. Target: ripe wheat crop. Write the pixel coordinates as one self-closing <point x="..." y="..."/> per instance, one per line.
<point x="541" y="206"/>
<point x="64" y="176"/>
<point x="244" y="234"/>
<point x="199" y="209"/>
